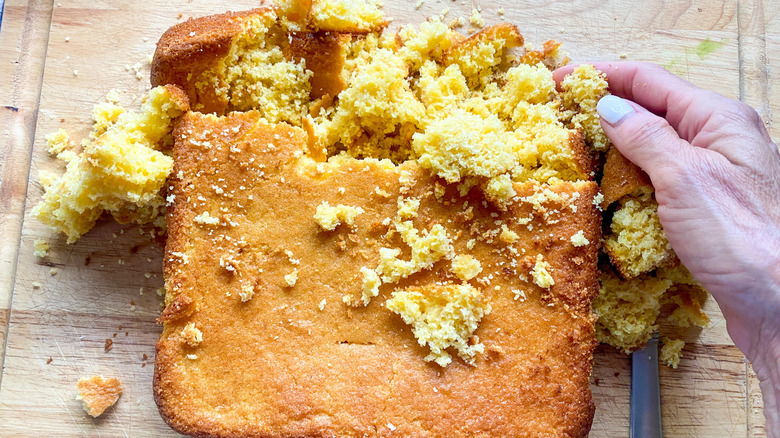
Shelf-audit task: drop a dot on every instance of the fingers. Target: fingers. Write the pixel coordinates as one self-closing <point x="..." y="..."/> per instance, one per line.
<point x="685" y="106"/>
<point x="644" y="138"/>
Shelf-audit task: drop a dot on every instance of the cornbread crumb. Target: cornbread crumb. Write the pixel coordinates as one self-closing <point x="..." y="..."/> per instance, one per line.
<point x="579" y="239"/>
<point x="442" y="316"/>
<point x="41" y="248"/>
<point x="628" y="310"/>
<point x="407" y="207"/>
<point x="541" y="273"/>
<point x="58" y="143"/>
<point x="507" y="235"/>
<point x="191" y="335"/>
<point x="329" y="217"/>
<point x="53" y="271"/>
<point x="476" y="19"/>
<point x="36" y="285"/>
<point x="98" y="393"/>
<point x="121" y="171"/>
<point x="466" y="267"/>
<point x="371" y="283"/>
<point x="671" y="351"/>
<point x="258" y="75"/>
<point x="291" y="278"/>
<point x="206" y="219"/>
<point x="246" y="293"/>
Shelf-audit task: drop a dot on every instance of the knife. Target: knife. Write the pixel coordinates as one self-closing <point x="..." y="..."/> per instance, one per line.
<point x="645" y="392"/>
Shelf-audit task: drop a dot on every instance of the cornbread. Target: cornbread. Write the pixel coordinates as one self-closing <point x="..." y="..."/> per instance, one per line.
<point x="121" y="170"/>
<point x="361" y="203"/>
<point x="98" y="393"/>
<point x="650" y="276"/>
<point x="671" y="351"/>
<point x="628" y="310"/>
<point x="503" y="366"/>
<point x="637" y="243"/>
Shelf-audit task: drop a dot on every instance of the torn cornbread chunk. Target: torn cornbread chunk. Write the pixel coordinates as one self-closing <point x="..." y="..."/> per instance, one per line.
<point x="448" y="262"/>
<point x="629" y="310"/>
<point x="121" y="171"/>
<point x="442" y="316"/>
<point x="98" y="393"/>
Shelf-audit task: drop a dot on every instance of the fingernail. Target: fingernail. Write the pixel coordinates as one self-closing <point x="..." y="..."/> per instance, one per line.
<point x="612" y="108"/>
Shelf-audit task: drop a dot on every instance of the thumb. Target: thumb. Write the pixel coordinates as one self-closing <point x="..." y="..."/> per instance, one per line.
<point x="644" y="138"/>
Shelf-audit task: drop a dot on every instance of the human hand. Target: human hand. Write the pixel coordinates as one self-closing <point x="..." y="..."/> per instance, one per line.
<point x="716" y="174"/>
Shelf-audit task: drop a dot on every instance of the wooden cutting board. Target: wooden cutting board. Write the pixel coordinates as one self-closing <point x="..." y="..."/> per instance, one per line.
<point x="63" y="56"/>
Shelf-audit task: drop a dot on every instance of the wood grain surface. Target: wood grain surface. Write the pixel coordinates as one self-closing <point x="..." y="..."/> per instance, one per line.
<point x="58" y="58"/>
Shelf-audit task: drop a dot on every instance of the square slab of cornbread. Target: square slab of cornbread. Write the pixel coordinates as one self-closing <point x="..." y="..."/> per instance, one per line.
<point x="264" y="330"/>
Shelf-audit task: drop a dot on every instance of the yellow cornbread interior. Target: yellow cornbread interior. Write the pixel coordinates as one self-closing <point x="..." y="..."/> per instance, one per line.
<point x="442" y="316"/>
<point x="637" y="243"/>
<point x="345" y="15"/>
<point x="629" y="310"/>
<point x="671" y="351"/>
<point x="121" y="170"/>
<point x="256" y="74"/>
<point x="466" y="109"/>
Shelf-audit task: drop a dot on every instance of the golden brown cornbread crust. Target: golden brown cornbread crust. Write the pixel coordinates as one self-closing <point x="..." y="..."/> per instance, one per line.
<point x="277" y="365"/>
<point x="621" y="177"/>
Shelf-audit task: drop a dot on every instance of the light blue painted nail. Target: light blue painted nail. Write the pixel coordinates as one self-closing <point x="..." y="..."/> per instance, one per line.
<point x="612" y="109"/>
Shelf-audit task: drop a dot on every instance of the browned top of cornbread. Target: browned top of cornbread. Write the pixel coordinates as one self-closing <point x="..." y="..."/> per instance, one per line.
<point x="295" y="360"/>
<point x="621" y="177"/>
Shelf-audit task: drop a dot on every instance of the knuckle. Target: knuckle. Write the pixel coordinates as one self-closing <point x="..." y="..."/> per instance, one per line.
<point x="738" y="113"/>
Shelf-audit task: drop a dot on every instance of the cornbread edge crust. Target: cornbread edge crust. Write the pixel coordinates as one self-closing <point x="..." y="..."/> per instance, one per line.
<point x="550" y="382"/>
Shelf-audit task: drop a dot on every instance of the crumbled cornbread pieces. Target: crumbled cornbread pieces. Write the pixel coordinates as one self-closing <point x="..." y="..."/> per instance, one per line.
<point x="582" y="90"/>
<point x="541" y="273"/>
<point x="329" y="217"/>
<point x="58" y="145"/>
<point x="346" y="15"/>
<point x="479" y="56"/>
<point x="442" y="316"/>
<point x="466" y="267"/>
<point x="371" y="283"/>
<point x="507" y="235"/>
<point x="427" y="248"/>
<point x="637" y="243"/>
<point x="628" y="310"/>
<point x="671" y="351"/>
<point x="191" y="335"/>
<point x="258" y="74"/>
<point x="121" y="171"/>
<point x="98" y="393"/>
<point x="377" y="102"/>
<point x="41" y="248"/>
